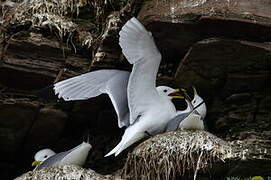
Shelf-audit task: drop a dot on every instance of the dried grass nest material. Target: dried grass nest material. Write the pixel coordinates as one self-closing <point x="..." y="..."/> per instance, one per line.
<point x="173" y="154"/>
<point x="67" y="172"/>
<point x="54" y="14"/>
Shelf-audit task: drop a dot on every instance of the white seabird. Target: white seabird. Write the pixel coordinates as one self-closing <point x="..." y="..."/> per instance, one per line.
<point x="192" y="117"/>
<point x="140" y="106"/>
<point x="75" y="156"/>
<point x="199" y="104"/>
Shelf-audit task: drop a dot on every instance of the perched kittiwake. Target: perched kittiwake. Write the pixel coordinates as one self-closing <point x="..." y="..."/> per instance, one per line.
<point x="140" y="106"/>
<point x="192" y="117"/>
<point x="199" y="104"/>
<point x="75" y="156"/>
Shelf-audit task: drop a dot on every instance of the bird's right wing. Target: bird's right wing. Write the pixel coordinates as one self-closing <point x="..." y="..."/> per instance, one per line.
<point x="139" y="48"/>
<point x="92" y="84"/>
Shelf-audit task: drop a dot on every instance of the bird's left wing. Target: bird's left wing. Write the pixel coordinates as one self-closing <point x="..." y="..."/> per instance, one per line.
<point x="139" y="48"/>
<point x="92" y="84"/>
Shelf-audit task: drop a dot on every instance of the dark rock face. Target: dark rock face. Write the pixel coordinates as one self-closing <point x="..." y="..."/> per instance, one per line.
<point x="17" y="116"/>
<point x="108" y="54"/>
<point x="26" y="128"/>
<point x="221" y="47"/>
<point x="187" y="22"/>
<point x="38" y="60"/>
<point x="47" y="128"/>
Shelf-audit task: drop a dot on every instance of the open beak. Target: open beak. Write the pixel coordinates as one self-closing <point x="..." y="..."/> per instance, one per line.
<point x="176" y="94"/>
<point x="195" y="91"/>
<point x="35" y="163"/>
<point x="186" y="96"/>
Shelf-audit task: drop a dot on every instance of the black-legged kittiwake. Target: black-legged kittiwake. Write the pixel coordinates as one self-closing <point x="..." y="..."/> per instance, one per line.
<point x="75" y="156"/>
<point x="140" y="106"/>
<point x="192" y="117"/>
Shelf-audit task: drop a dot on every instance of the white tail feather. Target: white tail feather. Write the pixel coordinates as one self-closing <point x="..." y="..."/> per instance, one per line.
<point x="131" y="135"/>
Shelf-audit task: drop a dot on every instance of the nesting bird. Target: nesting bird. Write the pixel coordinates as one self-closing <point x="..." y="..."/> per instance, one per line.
<point x="75" y="156"/>
<point x="198" y="112"/>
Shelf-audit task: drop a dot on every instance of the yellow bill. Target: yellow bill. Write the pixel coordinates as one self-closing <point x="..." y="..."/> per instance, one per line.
<point x="35" y="163"/>
<point x="176" y="94"/>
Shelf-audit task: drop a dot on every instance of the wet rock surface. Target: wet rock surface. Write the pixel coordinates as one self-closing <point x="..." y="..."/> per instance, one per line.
<point x="221" y="47"/>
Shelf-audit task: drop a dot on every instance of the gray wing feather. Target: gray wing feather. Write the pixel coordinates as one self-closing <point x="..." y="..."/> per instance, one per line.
<point x="139" y="48"/>
<point x="56" y="159"/>
<point x="92" y="84"/>
<point x="53" y="160"/>
<point x="117" y="91"/>
<point x="174" y="123"/>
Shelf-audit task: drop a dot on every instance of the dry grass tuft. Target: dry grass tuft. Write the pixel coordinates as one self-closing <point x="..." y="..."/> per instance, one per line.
<point x="174" y="154"/>
<point x="48" y="13"/>
<point x="66" y="172"/>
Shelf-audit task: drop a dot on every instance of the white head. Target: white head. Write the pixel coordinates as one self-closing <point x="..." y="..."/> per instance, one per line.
<point x="169" y="92"/>
<point x="202" y="109"/>
<point x="42" y="155"/>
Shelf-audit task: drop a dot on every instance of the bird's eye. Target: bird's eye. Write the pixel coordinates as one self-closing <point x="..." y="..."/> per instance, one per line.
<point x="45" y="156"/>
<point x="165" y="90"/>
<point x="194" y="101"/>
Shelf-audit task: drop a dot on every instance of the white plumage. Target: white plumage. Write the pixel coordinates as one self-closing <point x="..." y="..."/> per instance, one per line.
<point x="75" y="156"/>
<point x="195" y="119"/>
<point x="140" y="106"/>
<point x="85" y="86"/>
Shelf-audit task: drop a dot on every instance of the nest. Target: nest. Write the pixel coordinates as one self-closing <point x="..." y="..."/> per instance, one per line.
<point x="175" y="154"/>
<point x="67" y="172"/>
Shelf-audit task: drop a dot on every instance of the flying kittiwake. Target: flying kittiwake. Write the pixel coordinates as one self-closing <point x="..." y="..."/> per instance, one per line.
<point x="75" y="156"/>
<point x="140" y="106"/>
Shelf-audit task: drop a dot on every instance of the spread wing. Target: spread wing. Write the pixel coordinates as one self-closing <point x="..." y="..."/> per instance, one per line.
<point x="92" y="84"/>
<point x="139" y="48"/>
